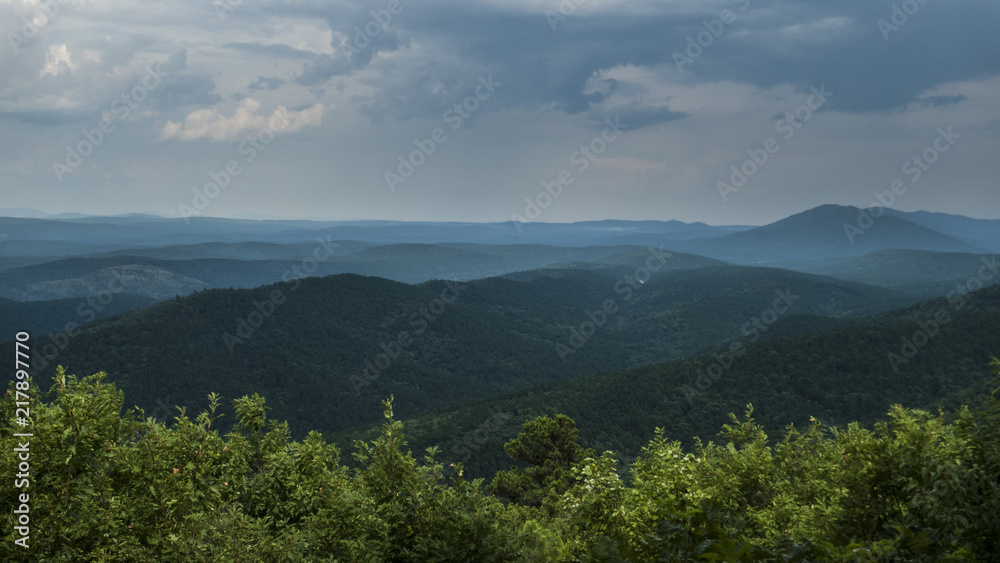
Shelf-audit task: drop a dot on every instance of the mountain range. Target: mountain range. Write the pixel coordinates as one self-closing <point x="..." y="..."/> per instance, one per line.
<point x="63" y="258"/>
<point x="617" y="323"/>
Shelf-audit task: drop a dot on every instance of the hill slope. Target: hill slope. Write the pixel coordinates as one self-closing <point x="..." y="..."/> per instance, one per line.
<point x="321" y="351"/>
<point x="162" y="273"/>
<point x="916" y="272"/>
<point x="982" y="233"/>
<point x="40" y="317"/>
<point x="838" y="375"/>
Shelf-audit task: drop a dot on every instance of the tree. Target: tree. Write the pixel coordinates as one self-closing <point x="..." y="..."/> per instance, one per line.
<point x="550" y="446"/>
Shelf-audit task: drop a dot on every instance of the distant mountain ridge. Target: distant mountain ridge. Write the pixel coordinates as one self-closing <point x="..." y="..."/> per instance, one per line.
<point x="983" y="233"/>
<point x="137" y="230"/>
<point x="825" y="232"/>
<point x="39" y="258"/>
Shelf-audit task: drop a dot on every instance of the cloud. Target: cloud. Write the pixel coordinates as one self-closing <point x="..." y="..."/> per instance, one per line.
<point x="392" y="82"/>
<point x="637" y="114"/>
<point x="938" y="101"/>
<point x="208" y="124"/>
<point x="184" y="90"/>
<point x="265" y="83"/>
<point x="321" y="69"/>
<point x="793" y="42"/>
<point x="58" y="61"/>
<point x="275" y="50"/>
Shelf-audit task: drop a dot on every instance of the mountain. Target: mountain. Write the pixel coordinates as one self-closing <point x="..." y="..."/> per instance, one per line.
<point x="140" y="230"/>
<point x="158" y="279"/>
<point x="23" y="212"/>
<point x="813" y="234"/>
<point x="164" y="272"/>
<point x="982" y="233"/>
<point x="418" y="252"/>
<point x="849" y="373"/>
<point x="41" y="317"/>
<point x="822" y="233"/>
<point x="920" y="273"/>
<point x="325" y="351"/>
<point x="237" y="250"/>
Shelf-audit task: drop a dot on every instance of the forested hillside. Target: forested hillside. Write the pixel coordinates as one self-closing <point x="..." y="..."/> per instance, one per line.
<point x="325" y="351"/>
<point x="42" y="317"/>
<point x="848" y="373"/>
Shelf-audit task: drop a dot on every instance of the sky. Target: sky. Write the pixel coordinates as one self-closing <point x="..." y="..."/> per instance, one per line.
<point x="725" y="111"/>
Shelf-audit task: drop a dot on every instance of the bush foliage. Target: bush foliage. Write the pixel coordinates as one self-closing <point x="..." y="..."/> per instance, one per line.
<point x="108" y="484"/>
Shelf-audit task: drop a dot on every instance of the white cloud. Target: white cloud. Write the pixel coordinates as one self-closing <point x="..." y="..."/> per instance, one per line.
<point x="208" y="124"/>
<point x="57" y="61"/>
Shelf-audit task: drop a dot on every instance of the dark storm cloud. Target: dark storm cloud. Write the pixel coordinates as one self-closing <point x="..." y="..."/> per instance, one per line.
<point x="873" y="68"/>
<point x="931" y="63"/>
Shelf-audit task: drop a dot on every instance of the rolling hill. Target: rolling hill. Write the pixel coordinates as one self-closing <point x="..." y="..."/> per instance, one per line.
<point x="838" y="375"/>
<point x="40" y="317"/>
<point x="327" y="350"/>
<point x="162" y="273"/>
<point x="42" y="259"/>
<point x="916" y="272"/>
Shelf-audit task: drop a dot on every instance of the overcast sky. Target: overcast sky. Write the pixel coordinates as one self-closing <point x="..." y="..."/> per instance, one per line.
<point x="312" y="104"/>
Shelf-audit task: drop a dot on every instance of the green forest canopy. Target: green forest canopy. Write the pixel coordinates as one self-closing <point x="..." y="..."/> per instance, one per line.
<point x="113" y="485"/>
